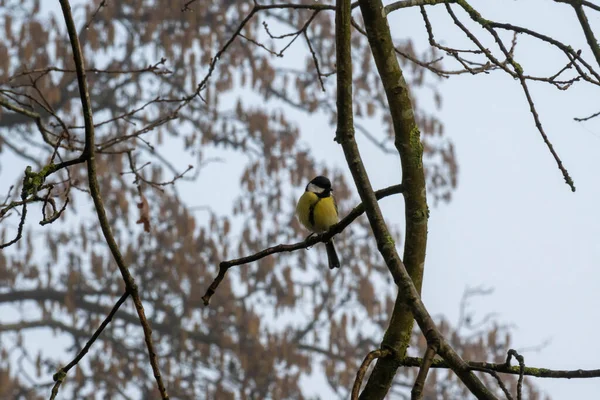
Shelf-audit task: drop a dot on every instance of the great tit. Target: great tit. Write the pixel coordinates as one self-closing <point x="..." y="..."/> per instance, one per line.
<point x="317" y="211"/>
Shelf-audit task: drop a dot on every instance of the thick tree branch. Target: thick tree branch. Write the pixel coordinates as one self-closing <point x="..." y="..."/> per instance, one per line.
<point x="409" y="145"/>
<point x="90" y="153"/>
<point x="310" y="241"/>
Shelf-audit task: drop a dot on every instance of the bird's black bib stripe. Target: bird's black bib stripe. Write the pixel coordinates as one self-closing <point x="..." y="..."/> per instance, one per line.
<point x="311" y="212"/>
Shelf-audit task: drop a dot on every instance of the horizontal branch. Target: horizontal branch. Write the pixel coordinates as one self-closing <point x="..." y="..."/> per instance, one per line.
<point x="294" y="6"/>
<point x="475" y="366"/>
<point x="413" y="3"/>
<point x="507" y="369"/>
<point x="41" y="295"/>
<point x="310" y="241"/>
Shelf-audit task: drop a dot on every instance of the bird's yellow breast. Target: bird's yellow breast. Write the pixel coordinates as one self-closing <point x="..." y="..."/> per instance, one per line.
<point x="315" y="213"/>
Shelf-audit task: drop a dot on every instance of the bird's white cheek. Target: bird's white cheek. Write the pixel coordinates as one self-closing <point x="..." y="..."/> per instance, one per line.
<point x="314" y="188"/>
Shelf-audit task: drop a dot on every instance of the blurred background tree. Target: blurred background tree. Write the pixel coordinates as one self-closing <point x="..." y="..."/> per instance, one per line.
<point x="200" y="159"/>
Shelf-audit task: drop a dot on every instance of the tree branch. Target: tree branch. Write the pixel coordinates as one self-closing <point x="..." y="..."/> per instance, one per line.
<point x="360" y="374"/>
<point x="413" y="3"/>
<point x="583" y="2"/>
<point x="587" y="30"/>
<point x="60" y="376"/>
<point x="521" y="361"/>
<point x="430" y="352"/>
<point x="409" y="145"/>
<point x="310" y="241"/>
<point x="489" y="26"/>
<point x="410" y="149"/>
<point x="90" y="153"/>
<point x="475" y="366"/>
<point x="508" y="369"/>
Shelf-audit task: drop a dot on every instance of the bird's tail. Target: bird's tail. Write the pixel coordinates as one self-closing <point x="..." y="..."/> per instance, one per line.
<point x="334" y="261"/>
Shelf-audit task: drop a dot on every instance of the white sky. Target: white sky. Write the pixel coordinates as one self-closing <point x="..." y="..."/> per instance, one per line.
<point x="513" y="224"/>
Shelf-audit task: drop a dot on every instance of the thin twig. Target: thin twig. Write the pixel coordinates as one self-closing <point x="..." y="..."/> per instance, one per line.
<point x="60" y="376"/>
<point x="417" y="390"/>
<point x="360" y="374"/>
<point x="500" y="384"/>
<point x="100" y="6"/>
<point x="513" y="353"/>
<point x="23" y="215"/>
<point x="582" y="2"/>
<point x="581" y="119"/>
<point x="518" y="70"/>
<point x="315" y="60"/>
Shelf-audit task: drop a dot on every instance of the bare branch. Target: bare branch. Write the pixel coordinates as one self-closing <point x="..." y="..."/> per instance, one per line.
<point x="407" y="139"/>
<point x="582" y="2"/>
<point x="413" y="3"/>
<point x="360" y="374"/>
<point x="587" y="30"/>
<point x="60" y="376"/>
<point x="588" y="117"/>
<point x="521" y="361"/>
<point x="310" y="241"/>
<point x="518" y="70"/>
<point x="89" y="151"/>
<point x="430" y="352"/>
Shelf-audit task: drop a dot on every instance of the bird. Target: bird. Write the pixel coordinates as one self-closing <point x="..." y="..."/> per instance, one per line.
<point x="317" y="211"/>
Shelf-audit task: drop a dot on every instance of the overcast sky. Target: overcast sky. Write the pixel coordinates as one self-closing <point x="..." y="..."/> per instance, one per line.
<point x="513" y="224"/>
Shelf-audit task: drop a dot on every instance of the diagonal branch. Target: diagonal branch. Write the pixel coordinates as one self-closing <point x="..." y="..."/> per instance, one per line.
<point x="60" y="376"/>
<point x="409" y="145"/>
<point x="430" y="352"/>
<point x="90" y="153"/>
<point x="587" y="30"/>
<point x="310" y="241"/>
<point x="489" y="26"/>
<point x="582" y="2"/>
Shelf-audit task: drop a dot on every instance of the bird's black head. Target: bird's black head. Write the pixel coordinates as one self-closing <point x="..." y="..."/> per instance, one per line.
<point x="320" y="185"/>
